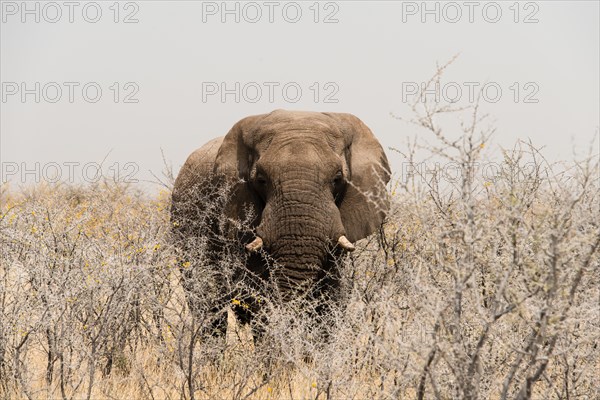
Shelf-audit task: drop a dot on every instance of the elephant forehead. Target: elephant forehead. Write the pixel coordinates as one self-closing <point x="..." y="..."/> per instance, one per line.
<point x="300" y="156"/>
<point x="301" y="139"/>
<point x="296" y="117"/>
<point x="295" y="126"/>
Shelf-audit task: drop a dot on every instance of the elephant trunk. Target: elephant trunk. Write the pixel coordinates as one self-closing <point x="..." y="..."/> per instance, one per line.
<point x="299" y="228"/>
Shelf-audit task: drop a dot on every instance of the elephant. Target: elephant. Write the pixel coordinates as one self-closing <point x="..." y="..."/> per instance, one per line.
<point x="310" y="184"/>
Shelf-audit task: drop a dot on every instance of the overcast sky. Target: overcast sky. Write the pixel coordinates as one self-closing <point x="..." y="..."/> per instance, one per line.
<point x="163" y="65"/>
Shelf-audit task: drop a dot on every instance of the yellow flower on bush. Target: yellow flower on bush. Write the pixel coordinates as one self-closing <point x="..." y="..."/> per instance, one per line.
<point x="186" y="264"/>
<point x="240" y="303"/>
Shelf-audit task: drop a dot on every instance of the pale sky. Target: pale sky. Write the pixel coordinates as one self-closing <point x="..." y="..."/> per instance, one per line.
<point x="179" y="55"/>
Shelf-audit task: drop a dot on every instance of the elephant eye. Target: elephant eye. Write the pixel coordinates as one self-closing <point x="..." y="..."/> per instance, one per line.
<point x="260" y="180"/>
<point x="337" y="179"/>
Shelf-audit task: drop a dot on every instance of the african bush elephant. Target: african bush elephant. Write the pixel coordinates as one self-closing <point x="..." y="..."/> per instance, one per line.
<point x="310" y="184"/>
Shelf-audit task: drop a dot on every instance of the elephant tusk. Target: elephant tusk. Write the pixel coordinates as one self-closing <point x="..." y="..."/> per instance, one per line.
<point x="255" y="245"/>
<point x="345" y="244"/>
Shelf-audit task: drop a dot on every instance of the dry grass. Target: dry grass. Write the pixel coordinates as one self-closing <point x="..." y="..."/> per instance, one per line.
<point x="456" y="297"/>
<point x="477" y="288"/>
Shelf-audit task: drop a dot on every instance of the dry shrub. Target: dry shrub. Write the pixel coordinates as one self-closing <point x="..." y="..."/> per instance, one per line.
<point x="477" y="287"/>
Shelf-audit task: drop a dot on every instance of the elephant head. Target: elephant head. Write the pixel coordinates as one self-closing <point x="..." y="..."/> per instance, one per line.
<point x="315" y="181"/>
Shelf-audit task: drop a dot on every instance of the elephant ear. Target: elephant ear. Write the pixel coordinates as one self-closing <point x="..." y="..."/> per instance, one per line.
<point x="232" y="166"/>
<point x="365" y="203"/>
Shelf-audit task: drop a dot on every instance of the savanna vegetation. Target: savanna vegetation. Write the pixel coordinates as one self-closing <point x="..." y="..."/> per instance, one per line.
<point x="481" y="284"/>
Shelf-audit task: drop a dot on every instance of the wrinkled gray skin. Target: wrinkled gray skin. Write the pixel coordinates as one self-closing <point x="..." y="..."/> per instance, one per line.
<point x="309" y="177"/>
